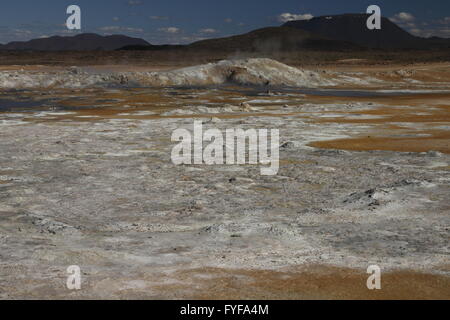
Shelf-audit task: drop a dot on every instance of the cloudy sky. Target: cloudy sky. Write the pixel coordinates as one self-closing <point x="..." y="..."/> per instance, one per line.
<point x="185" y="21"/>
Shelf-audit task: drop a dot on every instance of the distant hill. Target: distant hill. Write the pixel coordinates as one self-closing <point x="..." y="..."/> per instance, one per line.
<point x="151" y="47"/>
<point x="272" y="39"/>
<point x="327" y="33"/>
<point x="352" y="28"/>
<point x="81" y="42"/>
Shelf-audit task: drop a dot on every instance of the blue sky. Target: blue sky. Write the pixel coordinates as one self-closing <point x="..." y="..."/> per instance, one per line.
<point x="185" y="21"/>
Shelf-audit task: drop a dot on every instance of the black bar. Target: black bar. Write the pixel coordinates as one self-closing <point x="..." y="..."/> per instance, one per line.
<point x="225" y="309"/>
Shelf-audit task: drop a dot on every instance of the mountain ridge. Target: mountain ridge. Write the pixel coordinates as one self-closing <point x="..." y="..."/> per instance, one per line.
<point x="80" y="42"/>
<point x="352" y="27"/>
<point x="334" y="32"/>
<point x="271" y="39"/>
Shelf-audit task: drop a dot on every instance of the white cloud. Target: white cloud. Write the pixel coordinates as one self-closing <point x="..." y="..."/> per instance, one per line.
<point x="285" y="17"/>
<point x="208" y="30"/>
<point x="159" y="18"/>
<point x="430" y="32"/>
<point x="403" y="17"/>
<point x="190" y="39"/>
<point x="22" y="32"/>
<point x="120" y="29"/>
<point x="170" y="30"/>
<point x="445" y="32"/>
<point x="445" y="20"/>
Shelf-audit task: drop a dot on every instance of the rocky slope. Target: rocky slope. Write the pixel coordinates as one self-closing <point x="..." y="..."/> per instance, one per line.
<point x="242" y="72"/>
<point x="352" y="28"/>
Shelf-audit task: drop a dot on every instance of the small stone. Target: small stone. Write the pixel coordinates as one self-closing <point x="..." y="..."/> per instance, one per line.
<point x="246" y="107"/>
<point x="212" y="120"/>
<point x="434" y="154"/>
<point x="74" y="70"/>
<point x="288" y="145"/>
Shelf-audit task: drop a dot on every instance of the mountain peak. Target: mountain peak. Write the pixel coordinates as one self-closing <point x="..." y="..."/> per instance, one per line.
<point x="352" y="27"/>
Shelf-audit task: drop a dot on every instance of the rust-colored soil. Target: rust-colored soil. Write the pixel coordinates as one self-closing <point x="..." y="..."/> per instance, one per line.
<point x="314" y="282"/>
<point x="394" y="127"/>
<point x="439" y="141"/>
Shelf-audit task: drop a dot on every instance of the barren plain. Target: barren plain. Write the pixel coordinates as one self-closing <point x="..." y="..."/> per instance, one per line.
<point x="86" y="179"/>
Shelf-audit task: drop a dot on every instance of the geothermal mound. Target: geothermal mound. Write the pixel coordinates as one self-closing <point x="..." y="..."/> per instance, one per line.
<point x="262" y="72"/>
<point x="241" y="72"/>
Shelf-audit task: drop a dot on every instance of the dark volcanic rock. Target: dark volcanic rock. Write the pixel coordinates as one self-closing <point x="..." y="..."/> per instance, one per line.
<point x="352" y="27"/>
<point x="273" y="39"/>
